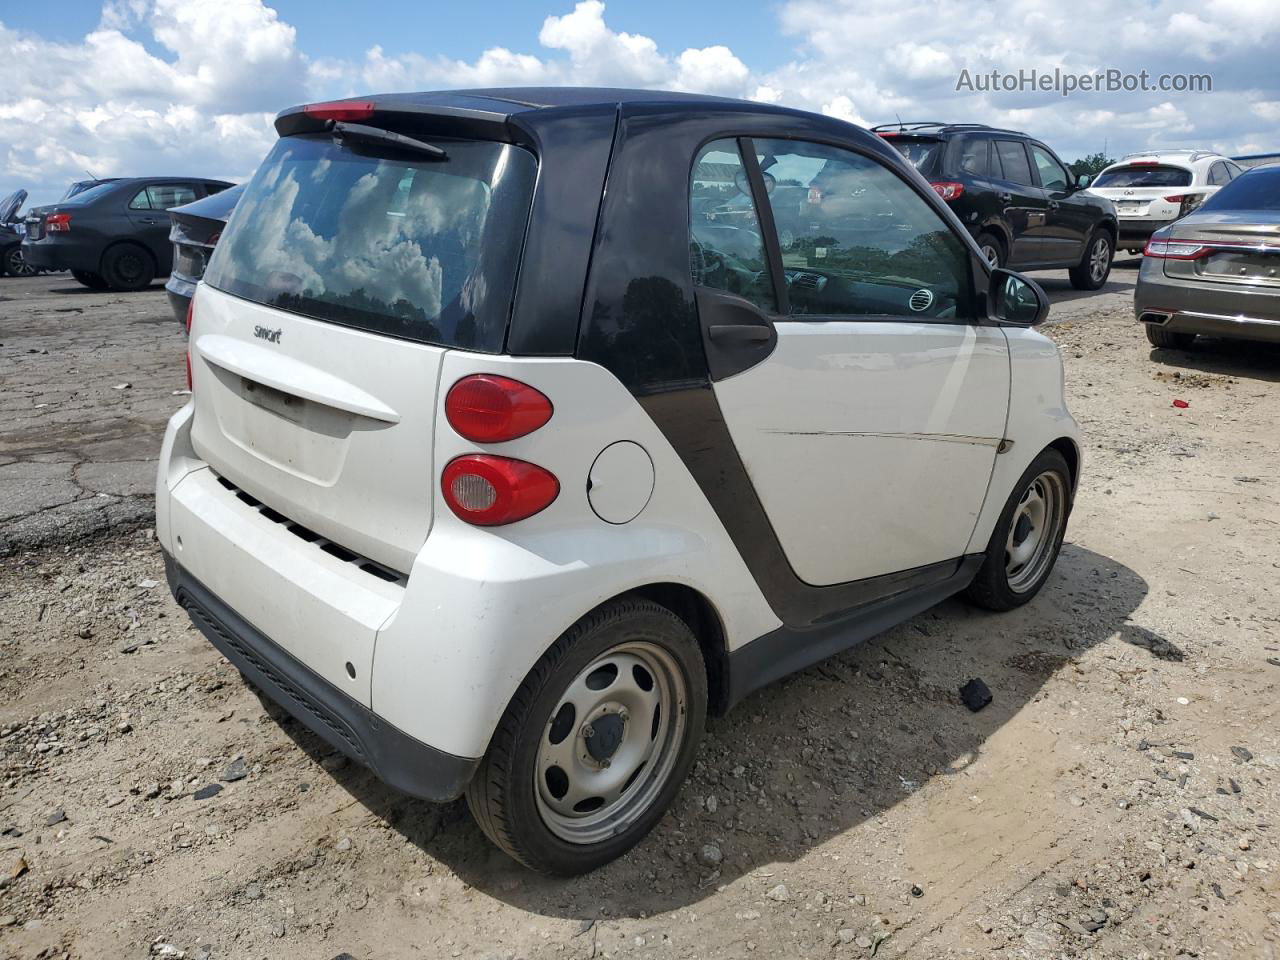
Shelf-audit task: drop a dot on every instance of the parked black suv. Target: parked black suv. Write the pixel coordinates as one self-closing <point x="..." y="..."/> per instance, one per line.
<point x="1013" y="194"/>
<point x="114" y="235"/>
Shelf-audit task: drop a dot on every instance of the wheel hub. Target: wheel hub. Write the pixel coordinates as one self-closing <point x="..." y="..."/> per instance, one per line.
<point x="604" y="735"/>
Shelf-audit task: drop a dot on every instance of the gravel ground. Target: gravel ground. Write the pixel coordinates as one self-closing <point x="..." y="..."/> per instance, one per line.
<point x="88" y="382"/>
<point x="1120" y="797"/>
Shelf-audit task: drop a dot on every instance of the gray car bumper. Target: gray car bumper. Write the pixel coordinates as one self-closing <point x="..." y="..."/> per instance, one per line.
<point x="1241" y="311"/>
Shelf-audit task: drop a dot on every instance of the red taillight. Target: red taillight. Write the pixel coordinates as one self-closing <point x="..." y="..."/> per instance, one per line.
<point x="486" y="408"/>
<point x="886" y="135"/>
<point x="191" y="314"/>
<point x="57" y="222"/>
<point x="1175" y="250"/>
<point x="1176" y="198"/>
<point x="490" y="491"/>
<point x="947" y="190"/>
<point x="344" y="111"/>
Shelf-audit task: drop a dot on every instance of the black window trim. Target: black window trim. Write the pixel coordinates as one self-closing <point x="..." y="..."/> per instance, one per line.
<point x="979" y="273"/>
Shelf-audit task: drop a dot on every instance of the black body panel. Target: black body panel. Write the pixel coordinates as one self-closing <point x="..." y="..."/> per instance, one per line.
<point x="394" y="756"/>
<point x="784" y="651"/>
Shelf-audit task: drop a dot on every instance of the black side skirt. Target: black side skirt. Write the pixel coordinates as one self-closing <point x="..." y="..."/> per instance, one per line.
<point x="395" y="757"/>
<point x="786" y="650"/>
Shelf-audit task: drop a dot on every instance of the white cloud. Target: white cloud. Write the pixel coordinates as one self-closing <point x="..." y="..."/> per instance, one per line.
<point x="174" y="86"/>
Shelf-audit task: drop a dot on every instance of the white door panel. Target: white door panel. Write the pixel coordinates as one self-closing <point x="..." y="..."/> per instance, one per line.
<point x="871" y="444"/>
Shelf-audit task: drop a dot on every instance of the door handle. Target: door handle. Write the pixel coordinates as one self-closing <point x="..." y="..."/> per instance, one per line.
<point x="1053" y="204"/>
<point x="147" y="220"/>
<point x="1005" y="197"/>
<point x="739" y="333"/>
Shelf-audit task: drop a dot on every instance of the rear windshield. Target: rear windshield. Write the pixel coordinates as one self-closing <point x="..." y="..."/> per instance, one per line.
<point x="421" y="249"/>
<point x="923" y="153"/>
<point x="1255" y="190"/>
<point x="1145" y="176"/>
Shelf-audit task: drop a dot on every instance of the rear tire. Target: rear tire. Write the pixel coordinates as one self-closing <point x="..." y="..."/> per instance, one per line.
<point x="128" y="266"/>
<point x="1160" y="337"/>
<point x="1095" y="266"/>
<point x="1025" y="543"/>
<point x="90" y="280"/>
<point x="14" y="263"/>
<point x="521" y="792"/>
<point x="992" y="249"/>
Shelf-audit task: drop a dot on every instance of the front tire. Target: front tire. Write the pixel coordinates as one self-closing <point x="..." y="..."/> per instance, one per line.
<point x="596" y="742"/>
<point x="1160" y="337"/>
<point x="1095" y="266"/>
<point x="1025" y="543"/>
<point x="128" y="266"/>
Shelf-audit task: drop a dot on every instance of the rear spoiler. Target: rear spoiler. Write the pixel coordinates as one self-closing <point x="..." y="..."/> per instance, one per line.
<point x="476" y="119"/>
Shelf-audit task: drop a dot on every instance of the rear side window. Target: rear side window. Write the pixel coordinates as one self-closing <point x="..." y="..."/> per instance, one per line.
<point x="1144" y="175"/>
<point x="726" y="249"/>
<point x="1013" y="158"/>
<point x="975" y="157"/>
<point x="162" y="196"/>
<point x="1254" y="190"/>
<point x="1218" y="174"/>
<point x="923" y="153"/>
<point x="420" y="249"/>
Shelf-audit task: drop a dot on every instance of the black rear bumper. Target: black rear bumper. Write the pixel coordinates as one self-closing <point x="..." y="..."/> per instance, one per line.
<point x="395" y="757"/>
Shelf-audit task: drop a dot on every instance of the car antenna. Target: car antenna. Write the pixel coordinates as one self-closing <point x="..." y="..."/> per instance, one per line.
<point x="92" y="175"/>
<point x="901" y="126"/>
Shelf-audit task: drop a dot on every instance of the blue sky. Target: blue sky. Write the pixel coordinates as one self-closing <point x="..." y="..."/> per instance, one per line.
<point x="130" y="87"/>
<point x="403" y="26"/>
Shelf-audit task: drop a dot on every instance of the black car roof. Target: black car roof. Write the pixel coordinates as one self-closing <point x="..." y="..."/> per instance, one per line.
<point x="502" y="103"/>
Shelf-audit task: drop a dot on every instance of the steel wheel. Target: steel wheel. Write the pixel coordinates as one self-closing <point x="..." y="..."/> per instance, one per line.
<point x="611" y="743"/>
<point x="1033" y="534"/>
<point x="1099" y="259"/>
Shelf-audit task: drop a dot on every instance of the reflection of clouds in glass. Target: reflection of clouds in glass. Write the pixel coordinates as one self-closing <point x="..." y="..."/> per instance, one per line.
<point x="377" y="246"/>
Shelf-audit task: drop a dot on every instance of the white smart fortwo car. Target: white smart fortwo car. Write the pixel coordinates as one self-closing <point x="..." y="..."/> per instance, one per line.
<point x="529" y="426"/>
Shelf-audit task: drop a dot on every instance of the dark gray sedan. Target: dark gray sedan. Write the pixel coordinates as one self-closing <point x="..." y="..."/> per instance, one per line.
<point x="1216" y="272"/>
<point x="195" y="231"/>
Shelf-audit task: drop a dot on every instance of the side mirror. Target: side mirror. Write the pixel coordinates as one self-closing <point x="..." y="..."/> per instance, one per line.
<point x="1083" y="180"/>
<point x="1016" y="299"/>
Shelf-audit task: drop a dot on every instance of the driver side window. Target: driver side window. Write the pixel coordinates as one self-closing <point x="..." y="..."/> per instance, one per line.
<point x="726" y="248"/>
<point x="857" y="241"/>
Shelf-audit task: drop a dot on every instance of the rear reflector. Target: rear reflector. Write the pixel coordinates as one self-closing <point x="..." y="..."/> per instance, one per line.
<point x="58" y="222"/>
<point x="344" y="111"/>
<point x="487" y="408"/>
<point x="489" y="491"/>
<point x="947" y="189"/>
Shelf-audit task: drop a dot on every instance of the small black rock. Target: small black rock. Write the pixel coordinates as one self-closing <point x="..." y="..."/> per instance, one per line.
<point x="916" y="891"/>
<point x="1242" y="754"/>
<point x="58" y="816"/>
<point x="1184" y="755"/>
<point x="236" y="770"/>
<point x="975" y="694"/>
<point x="1235" y="787"/>
<point x="204" y="793"/>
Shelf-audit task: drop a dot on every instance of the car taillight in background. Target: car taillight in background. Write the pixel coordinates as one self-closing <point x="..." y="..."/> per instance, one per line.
<point x="1175" y="250"/>
<point x="486" y="408"/>
<point x="344" y="111"/>
<point x="57" y="222"/>
<point x="947" y="189"/>
<point x="490" y="491"/>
